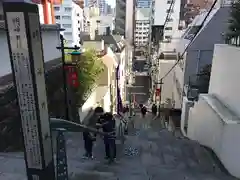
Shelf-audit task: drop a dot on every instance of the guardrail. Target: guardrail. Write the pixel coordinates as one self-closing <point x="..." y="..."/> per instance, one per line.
<point x="61" y="126"/>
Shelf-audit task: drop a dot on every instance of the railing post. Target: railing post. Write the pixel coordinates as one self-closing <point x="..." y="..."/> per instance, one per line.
<point x="62" y="169"/>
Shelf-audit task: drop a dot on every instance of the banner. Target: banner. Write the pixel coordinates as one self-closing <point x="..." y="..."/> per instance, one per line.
<point x="119" y="99"/>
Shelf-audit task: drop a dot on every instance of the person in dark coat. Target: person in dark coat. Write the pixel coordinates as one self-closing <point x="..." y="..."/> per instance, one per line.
<point x="154" y="109"/>
<point x="143" y="111"/>
<point x="110" y="145"/>
<point x="90" y="137"/>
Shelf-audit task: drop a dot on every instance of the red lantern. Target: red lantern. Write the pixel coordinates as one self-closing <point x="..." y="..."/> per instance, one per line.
<point x="158" y="92"/>
<point x="72" y="75"/>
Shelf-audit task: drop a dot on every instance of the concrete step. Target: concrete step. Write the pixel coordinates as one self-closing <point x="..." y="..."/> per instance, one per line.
<point x="12" y="176"/>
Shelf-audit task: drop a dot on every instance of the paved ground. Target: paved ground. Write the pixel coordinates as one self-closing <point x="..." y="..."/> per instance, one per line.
<point x="150" y="153"/>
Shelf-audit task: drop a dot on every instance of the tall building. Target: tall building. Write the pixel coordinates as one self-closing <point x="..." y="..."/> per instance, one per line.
<point x="143" y="3"/>
<point x="164" y="12"/>
<point x="142" y="26"/>
<point x="191" y="8"/>
<point x="102" y="6"/>
<point x="70" y="16"/>
<point x="120" y="17"/>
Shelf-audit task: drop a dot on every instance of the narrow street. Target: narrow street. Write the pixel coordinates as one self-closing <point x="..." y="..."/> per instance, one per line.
<point x="150" y="153"/>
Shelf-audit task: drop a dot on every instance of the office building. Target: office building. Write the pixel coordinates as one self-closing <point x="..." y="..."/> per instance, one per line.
<point x="70" y="16"/>
<point x="164" y="12"/>
<point x="142" y="26"/>
<point x="120" y="17"/>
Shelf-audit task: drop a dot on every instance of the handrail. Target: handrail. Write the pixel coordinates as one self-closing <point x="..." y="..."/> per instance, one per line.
<point x="57" y="123"/>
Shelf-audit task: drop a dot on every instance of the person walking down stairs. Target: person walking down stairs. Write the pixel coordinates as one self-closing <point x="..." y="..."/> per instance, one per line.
<point x="88" y="137"/>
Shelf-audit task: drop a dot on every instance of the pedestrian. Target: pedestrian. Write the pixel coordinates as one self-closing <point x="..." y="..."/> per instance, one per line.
<point x="154" y="110"/>
<point x="90" y="137"/>
<point x="143" y="111"/>
<point x="110" y="145"/>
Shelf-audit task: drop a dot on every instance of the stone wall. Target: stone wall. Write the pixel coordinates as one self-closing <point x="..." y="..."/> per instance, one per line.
<point x="10" y="131"/>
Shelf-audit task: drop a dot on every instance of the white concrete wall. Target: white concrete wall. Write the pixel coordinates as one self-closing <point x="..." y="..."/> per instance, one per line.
<point x="213" y="125"/>
<point x="214" y="120"/>
<point x="186" y="106"/>
<point x="87" y="106"/>
<point x="50" y="42"/>
<point x="225" y="76"/>
<point x="107" y="101"/>
<point x="167" y="87"/>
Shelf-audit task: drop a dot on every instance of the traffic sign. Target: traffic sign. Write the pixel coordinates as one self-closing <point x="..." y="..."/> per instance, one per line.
<point x="26" y="52"/>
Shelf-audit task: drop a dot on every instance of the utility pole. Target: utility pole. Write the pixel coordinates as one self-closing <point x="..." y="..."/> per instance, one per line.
<point x="159" y="94"/>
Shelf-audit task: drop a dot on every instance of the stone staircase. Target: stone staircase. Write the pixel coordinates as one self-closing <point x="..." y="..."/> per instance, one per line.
<point x="150" y="152"/>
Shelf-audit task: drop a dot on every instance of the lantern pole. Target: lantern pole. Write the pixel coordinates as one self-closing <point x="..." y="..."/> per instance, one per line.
<point x="62" y="48"/>
<point x="160" y="96"/>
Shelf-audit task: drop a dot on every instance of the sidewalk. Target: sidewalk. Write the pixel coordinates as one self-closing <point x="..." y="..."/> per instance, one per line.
<point x="150" y="153"/>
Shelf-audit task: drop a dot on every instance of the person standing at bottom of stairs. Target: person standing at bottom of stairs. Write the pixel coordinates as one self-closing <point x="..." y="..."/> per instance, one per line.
<point x="90" y="137"/>
<point x="110" y="145"/>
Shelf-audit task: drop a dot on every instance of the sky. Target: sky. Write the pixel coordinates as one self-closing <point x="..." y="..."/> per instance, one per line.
<point x="111" y="2"/>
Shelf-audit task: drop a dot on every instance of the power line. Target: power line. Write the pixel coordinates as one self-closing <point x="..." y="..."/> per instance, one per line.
<point x="169" y="12"/>
<point x="190" y="43"/>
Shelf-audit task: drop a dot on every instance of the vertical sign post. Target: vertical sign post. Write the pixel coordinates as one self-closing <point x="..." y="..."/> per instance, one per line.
<point x="26" y="54"/>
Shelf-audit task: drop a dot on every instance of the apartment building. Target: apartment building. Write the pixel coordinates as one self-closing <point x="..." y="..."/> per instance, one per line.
<point x="142" y="26"/>
<point x="120" y="17"/>
<point x="161" y="14"/>
<point x="191" y="8"/>
<point x="70" y="16"/>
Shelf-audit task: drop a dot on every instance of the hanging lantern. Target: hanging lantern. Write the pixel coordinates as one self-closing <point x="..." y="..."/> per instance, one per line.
<point x="158" y="92"/>
<point x="72" y="75"/>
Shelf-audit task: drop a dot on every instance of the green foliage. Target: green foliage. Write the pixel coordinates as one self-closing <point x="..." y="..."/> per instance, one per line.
<point x="234" y="21"/>
<point x="89" y="68"/>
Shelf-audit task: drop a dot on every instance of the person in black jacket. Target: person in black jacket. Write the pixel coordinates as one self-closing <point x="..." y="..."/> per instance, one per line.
<point x="154" y="109"/>
<point x="90" y="137"/>
<point x="108" y="126"/>
<point x="143" y="111"/>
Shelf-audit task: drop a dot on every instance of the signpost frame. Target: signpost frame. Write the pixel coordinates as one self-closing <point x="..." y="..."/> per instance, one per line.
<point x="27" y="62"/>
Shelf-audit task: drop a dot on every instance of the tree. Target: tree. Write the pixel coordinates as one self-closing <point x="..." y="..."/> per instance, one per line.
<point x="234" y="22"/>
<point x="89" y="68"/>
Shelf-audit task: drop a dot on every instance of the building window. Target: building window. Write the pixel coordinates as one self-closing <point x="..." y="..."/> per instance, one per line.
<point x="66" y="17"/>
<point x="67" y="25"/>
<point x="168" y="28"/>
<point x="169" y="10"/>
<point x="57" y="17"/>
<point x="56" y="8"/>
<point x="67" y="9"/>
